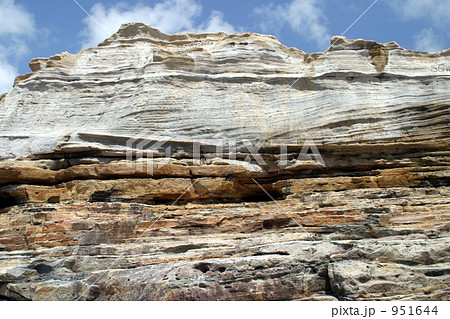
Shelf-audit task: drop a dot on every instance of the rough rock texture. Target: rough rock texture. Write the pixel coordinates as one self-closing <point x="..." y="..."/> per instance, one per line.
<point x="219" y="212"/>
<point x="206" y="87"/>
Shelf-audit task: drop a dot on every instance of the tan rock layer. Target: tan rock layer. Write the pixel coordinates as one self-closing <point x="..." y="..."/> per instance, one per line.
<point x="27" y="182"/>
<point x="233" y="251"/>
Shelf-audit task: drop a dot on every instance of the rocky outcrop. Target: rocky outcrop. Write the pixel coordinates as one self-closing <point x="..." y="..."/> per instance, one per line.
<point x="217" y="87"/>
<point x="226" y="167"/>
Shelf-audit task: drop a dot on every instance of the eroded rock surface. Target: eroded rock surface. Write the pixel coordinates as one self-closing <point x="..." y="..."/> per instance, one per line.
<point x="172" y="167"/>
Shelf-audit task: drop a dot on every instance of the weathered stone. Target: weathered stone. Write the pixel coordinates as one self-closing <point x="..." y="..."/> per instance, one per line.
<point x="85" y="214"/>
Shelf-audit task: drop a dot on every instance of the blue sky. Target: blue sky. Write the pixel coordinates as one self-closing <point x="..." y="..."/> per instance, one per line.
<point x="31" y="28"/>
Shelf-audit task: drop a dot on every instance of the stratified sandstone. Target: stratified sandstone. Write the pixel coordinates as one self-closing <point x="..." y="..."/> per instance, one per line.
<point x="224" y="205"/>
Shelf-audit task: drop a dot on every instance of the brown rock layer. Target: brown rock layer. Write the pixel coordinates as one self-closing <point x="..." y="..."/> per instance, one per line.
<point x="359" y="228"/>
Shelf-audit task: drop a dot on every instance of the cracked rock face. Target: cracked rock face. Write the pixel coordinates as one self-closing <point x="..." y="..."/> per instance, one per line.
<point x="178" y="167"/>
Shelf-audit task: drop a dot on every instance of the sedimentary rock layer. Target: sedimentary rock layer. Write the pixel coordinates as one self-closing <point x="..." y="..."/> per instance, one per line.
<point x="226" y="167"/>
<point x="218" y="87"/>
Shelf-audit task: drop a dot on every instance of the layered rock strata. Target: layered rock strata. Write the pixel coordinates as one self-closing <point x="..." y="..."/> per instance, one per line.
<point x="226" y="167"/>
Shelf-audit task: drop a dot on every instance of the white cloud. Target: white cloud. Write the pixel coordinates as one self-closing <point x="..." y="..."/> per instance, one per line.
<point x="216" y="22"/>
<point x="435" y="11"/>
<point x="169" y="16"/>
<point x="426" y="40"/>
<point x="7" y="75"/>
<point x="435" y="14"/>
<point x="303" y="16"/>
<point x="16" y="26"/>
<point x="15" y="19"/>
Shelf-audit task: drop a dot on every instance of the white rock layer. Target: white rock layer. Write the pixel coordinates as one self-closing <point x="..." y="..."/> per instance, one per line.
<point x="216" y="88"/>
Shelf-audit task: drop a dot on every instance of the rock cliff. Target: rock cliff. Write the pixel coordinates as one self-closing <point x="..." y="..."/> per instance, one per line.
<point x="226" y="167"/>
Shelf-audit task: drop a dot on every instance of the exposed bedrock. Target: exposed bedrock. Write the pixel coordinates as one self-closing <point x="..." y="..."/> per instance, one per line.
<point x="226" y="167"/>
